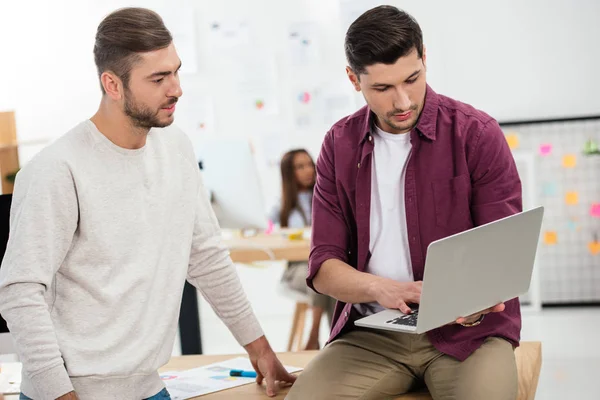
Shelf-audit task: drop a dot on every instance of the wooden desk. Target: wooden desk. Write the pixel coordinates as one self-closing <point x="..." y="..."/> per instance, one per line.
<point x="265" y="247"/>
<point x="528" y="355"/>
<point x="246" y="392"/>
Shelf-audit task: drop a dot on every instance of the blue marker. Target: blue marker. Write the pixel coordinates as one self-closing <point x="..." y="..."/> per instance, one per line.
<point x="243" y="374"/>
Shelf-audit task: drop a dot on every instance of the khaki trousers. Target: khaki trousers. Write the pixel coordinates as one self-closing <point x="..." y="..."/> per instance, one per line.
<point x="375" y="364"/>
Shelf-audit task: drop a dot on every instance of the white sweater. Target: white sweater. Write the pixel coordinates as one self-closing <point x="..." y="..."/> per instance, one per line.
<point x="101" y="241"/>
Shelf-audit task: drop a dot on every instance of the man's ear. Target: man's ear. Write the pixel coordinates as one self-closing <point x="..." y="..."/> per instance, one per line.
<point x="112" y="84"/>
<point x="353" y="79"/>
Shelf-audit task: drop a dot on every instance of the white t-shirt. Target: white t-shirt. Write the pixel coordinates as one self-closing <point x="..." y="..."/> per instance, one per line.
<point x="388" y="244"/>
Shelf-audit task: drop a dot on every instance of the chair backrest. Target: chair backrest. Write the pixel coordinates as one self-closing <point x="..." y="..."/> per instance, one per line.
<point x="5" y="203"/>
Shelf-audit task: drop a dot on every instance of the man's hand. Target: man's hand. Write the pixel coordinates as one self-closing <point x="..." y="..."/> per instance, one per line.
<point x="69" y="396"/>
<point x="396" y="295"/>
<point x="267" y="366"/>
<point x="472" y="318"/>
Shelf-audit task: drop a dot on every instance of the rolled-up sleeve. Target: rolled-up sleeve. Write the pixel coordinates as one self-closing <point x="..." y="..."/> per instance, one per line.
<point x="330" y="236"/>
<point x="495" y="179"/>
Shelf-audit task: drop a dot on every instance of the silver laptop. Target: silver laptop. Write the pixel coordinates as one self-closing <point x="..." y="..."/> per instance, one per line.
<point x="470" y="272"/>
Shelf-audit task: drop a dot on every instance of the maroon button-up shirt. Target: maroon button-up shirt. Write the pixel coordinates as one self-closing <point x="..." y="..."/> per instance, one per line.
<point x="460" y="174"/>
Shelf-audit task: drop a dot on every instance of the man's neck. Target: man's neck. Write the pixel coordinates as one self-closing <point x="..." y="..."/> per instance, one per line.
<point x="117" y="127"/>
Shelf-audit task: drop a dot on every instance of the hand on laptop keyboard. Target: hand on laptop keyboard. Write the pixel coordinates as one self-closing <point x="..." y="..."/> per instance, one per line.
<point x="396" y="295"/>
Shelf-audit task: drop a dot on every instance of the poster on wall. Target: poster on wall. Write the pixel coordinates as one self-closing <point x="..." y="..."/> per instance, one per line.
<point x="317" y="108"/>
<point x="195" y="110"/>
<point x="303" y="44"/>
<point x="226" y="35"/>
<point x="255" y="87"/>
<point x="180" y="22"/>
<point x="350" y="10"/>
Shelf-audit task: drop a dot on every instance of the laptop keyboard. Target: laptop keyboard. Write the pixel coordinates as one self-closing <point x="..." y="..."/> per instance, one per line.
<point x="408" y="319"/>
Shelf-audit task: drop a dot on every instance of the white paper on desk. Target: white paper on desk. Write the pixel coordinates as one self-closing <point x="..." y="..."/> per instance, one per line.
<point x="208" y="379"/>
<point x="10" y="377"/>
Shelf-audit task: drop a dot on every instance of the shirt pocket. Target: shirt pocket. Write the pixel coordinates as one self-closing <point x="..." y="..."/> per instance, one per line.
<point x="452" y="203"/>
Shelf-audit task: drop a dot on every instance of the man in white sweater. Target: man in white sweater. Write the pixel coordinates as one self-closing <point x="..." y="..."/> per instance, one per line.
<point x="106" y="225"/>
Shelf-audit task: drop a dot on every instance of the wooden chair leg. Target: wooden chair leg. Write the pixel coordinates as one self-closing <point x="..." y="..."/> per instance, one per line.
<point x="294" y="327"/>
<point x="300" y="328"/>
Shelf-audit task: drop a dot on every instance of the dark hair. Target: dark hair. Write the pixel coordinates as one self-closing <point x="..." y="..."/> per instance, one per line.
<point x="125" y="33"/>
<point x="289" y="187"/>
<point x="381" y="35"/>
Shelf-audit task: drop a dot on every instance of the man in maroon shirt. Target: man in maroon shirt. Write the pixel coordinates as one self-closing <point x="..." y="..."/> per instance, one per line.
<point x="411" y="167"/>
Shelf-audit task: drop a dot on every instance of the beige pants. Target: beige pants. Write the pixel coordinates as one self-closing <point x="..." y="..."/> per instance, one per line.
<point x="375" y="364"/>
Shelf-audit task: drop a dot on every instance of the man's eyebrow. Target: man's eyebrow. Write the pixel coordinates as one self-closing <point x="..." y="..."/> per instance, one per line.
<point x="414" y="74"/>
<point x="163" y="73"/>
<point x="417" y="72"/>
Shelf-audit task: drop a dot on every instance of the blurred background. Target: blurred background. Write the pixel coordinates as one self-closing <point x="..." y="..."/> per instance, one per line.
<point x="268" y="76"/>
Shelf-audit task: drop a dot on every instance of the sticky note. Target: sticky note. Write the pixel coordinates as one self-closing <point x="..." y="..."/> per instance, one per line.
<point x="549" y="189"/>
<point x="594" y="247"/>
<point x="550" y="238"/>
<point x="545" y="149"/>
<point x="572" y="224"/>
<point x="304" y="97"/>
<point x="595" y="210"/>
<point x="569" y="161"/>
<point x="572" y="198"/>
<point x="513" y="141"/>
<point x="591" y="147"/>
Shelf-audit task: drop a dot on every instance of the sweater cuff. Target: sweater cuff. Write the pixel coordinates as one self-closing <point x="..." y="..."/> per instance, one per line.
<point x="52" y="383"/>
<point x="246" y="330"/>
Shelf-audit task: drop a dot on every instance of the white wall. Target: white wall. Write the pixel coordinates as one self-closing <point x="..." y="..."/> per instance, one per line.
<point x="514" y="59"/>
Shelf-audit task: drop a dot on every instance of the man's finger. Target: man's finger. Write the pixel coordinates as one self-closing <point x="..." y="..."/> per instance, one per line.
<point x="469" y="319"/>
<point x="498" y="308"/>
<point x="270" y="385"/>
<point x="403" y="307"/>
<point x="287" y="377"/>
<point x="415" y="298"/>
<point x="259" y="375"/>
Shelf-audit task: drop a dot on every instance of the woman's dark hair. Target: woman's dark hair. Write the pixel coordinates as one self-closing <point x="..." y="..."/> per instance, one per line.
<point x="290" y="187"/>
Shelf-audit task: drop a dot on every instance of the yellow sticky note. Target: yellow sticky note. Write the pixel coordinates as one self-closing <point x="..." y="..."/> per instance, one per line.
<point x="550" y="238"/>
<point x="572" y="198"/>
<point x="513" y="141"/>
<point x="594" y="247"/>
<point x="569" y="161"/>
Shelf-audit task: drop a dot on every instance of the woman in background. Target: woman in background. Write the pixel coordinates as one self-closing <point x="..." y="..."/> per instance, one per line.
<point x="298" y="178"/>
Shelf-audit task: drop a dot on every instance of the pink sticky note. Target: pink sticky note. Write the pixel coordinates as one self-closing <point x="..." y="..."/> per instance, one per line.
<point x="595" y="210"/>
<point x="545" y="149"/>
<point x="270" y="228"/>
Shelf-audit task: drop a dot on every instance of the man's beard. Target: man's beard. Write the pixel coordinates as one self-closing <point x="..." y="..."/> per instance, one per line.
<point x="405" y="125"/>
<point x="142" y="116"/>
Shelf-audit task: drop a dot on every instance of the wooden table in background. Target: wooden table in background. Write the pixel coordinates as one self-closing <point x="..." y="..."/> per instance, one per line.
<point x="261" y="247"/>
